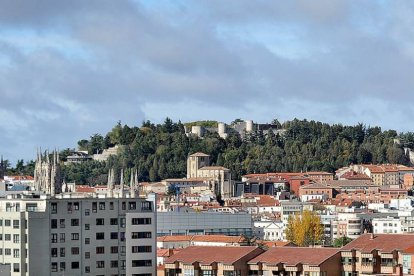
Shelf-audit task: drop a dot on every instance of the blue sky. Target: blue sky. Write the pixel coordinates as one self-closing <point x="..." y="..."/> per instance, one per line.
<point x="69" y="69"/>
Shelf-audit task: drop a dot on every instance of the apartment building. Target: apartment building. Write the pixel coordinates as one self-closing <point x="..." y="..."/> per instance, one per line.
<point x="293" y="261"/>
<point x="388" y="225"/>
<point x="75" y="234"/>
<point x="209" y="261"/>
<point x="377" y="254"/>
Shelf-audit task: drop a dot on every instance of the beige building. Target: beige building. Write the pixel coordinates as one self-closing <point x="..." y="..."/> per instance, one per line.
<point x="208" y="260"/>
<point x="198" y="165"/>
<point x="297" y="261"/>
<point x="379" y="254"/>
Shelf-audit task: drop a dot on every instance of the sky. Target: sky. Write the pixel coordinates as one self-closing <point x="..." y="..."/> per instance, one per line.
<point x="70" y="69"/>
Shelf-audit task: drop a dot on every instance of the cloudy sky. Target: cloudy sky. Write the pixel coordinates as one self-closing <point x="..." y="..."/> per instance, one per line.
<point x="69" y="69"/>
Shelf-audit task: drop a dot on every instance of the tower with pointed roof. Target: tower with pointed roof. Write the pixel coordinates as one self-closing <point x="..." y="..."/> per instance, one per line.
<point x="2" y="168"/>
<point x="47" y="173"/>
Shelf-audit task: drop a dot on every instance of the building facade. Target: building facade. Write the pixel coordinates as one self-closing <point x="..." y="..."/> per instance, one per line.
<point x="77" y="235"/>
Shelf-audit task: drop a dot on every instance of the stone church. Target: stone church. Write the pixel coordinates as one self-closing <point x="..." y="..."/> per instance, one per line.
<point x="47" y="174"/>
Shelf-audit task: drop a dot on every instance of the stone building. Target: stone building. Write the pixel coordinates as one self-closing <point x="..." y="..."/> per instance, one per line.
<point x="198" y="165"/>
<point x="47" y="173"/>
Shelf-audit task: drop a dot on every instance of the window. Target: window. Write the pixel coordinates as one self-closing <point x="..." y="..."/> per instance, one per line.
<point x="123" y="264"/>
<point x="87" y="240"/>
<point x="114" y="249"/>
<point x="100" y="250"/>
<point x="62" y="237"/>
<point x="94" y="207"/>
<point x="141" y="235"/>
<point x="62" y="223"/>
<point x="139" y="263"/>
<point x="7" y="251"/>
<point x="54" y="238"/>
<point x="75" y="250"/>
<point x="132" y="205"/>
<point x="87" y="269"/>
<point x="75" y="205"/>
<point x="16" y="253"/>
<point x="123" y="205"/>
<point x="100" y="221"/>
<point x="87" y="212"/>
<point x="111" y="205"/>
<point x="69" y="207"/>
<point x="75" y="236"/>
<point x="75" y="265"/>
<point x="1" y="237"/>
<point x="7" y="237"/>
<point x="114" y="235"/>
<point x="53" y="252"/>
<point x="16" y="238"/>
<point x="140" y="221"/>
<point x="114" y="221"/>
<point x="74" y="222"/>
<point x="53" y="206"/>
<point x="16" y="267"/>
<point x="101" y="205"/>
<point x="62" y="252"/>
<point x="7" y="222"/>
<point x="87" y="226"/>
<point x="122" y="222"/>
<point x="114" y="264"/>
<point x="146" y="206"/>
<point x="141" y="249"/>
<point x="87" y="255"/>
<point x="16" y="224"/>
<point x="53" y="223"/>
<point x="100" y="264"/>
<point x="32" y="207"/>
<point x="100" y="236"/>
<point x="62" y="266"/>
<point x="54" y="267"/>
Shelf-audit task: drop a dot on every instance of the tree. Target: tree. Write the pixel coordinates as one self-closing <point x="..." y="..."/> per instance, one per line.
<point x="341" y="241"/>
<point x="304" y="229"/>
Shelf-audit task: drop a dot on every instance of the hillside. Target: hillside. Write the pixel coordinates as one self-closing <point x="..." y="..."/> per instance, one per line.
<point x="160" y="151"/>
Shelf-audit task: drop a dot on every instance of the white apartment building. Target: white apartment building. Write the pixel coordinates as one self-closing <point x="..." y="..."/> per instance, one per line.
<point x="388" y="225"/>
<point x="75" y="234"/>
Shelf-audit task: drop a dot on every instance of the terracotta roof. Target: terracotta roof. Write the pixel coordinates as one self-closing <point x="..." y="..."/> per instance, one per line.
<point x="206" y="255"/>
<point x="277" y="243"/>
<point x="167" y="252"/>
<point x="202" y="238"/>
<point x="409" y="250"/>
<point x="174" y="238"/>
<point x="201" y="154"/>
<point x="295" y="255"/>
<point x="218" y="238"/>
<point x="382" y="242"/>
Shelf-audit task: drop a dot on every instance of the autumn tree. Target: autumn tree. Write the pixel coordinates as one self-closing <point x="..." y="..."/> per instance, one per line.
<point x="304" y="229"/>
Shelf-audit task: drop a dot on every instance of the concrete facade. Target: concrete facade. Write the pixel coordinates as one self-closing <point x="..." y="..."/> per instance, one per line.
<point x="78" y="235"/>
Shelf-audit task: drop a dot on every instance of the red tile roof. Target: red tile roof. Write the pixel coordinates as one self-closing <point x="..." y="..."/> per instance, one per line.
<point x="382" y="242"/>
<point x="295" y="255"/>
<point x="206" y="255"/>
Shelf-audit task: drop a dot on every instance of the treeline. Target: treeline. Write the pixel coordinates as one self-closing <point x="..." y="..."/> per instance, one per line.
<point x="160" y="151"/>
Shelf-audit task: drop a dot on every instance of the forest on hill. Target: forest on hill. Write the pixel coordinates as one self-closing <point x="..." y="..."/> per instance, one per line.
<point x="159" y="151"/>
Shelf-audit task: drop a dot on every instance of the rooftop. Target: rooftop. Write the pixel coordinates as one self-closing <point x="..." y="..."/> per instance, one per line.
<point x="199" y="154"/>
<point x="206" y="255"/>
<point x="295" y="255"/>
<point x="381" y="242"/>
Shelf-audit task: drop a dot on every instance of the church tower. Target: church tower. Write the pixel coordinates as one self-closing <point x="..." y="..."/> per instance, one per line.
<point x="47" y="173"/>
<point x="2" y="168"/>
